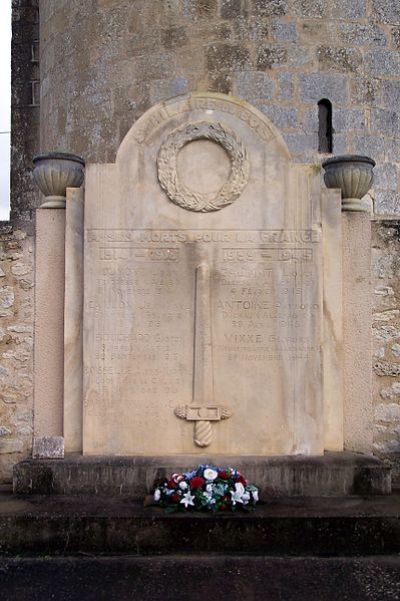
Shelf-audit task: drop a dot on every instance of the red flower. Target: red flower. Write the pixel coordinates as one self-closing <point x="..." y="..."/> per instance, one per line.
<point x="175" y="497"/>
<point x="241" y="480"/>
<point x="171" y="484"/>
<point x="196" y="482"/>
<point x="223" y="475"/>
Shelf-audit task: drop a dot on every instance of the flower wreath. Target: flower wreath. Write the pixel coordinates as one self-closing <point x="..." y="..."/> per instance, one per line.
<point x="206" y="488"/>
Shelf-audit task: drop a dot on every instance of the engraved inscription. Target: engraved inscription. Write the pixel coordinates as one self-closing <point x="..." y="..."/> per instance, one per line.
<point x="200" y="318"/>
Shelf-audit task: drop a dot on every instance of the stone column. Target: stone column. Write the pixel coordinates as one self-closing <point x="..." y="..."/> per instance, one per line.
<point x="353" y="175"/>
<point x="357" y="338"/>
<point x="53" y="172"/>
<point x="49" y="333"/>
<point x="73" y="321"/>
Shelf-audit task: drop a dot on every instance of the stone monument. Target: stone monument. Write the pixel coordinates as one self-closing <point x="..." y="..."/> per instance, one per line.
<point x="203" y="309"/>
<point x="204" y="290"/>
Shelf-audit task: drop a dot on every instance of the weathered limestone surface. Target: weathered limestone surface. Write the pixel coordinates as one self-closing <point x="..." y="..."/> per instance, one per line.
<point x="193" y="304"/>
<point x="16" y="347"/>
<point x="386" y="340"/>
<point x="358" y="412"/>
<point x="49" y="325"/>
<point x="73" y="320"/>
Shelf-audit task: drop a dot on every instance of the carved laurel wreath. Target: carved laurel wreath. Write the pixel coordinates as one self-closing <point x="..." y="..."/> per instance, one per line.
<point x="188" y="199"/>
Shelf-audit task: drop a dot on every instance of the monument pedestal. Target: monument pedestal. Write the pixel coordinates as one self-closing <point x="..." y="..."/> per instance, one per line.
<point x="333" y="474"/>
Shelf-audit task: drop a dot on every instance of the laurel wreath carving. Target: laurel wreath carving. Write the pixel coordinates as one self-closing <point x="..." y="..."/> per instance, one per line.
<point x="191" y="200"/>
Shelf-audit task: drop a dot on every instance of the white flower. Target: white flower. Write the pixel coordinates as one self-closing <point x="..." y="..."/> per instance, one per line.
<point x="209" y="487"/>
<point x="246" y="497"/>
<point x="157" y="495"/>
<point x="255" y="495"/>
<point x="239" y="488"/>
<point x="210" y="474"/>
<point x="209" y="497"/>
<point x="187" y="499"/>
<point x="183" y="485"/>
<point x="237" y="494"/>
<point x="236" y="497"/>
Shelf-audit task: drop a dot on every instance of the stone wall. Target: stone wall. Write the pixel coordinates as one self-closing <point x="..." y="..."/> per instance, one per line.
<point x="25" y="110"/>
<point x="17" y="246"/>
<point x="386" y="337"/>
<point x="104" y="62"/>
<point x="16" y="347"/>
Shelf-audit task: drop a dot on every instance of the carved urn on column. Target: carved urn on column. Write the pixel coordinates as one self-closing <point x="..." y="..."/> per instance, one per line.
<point x="353" y="174"/>
<point x="54" y="172"/>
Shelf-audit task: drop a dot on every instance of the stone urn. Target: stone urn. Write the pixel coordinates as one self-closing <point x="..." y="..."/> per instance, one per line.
<point x="54" y="172"/>
<point x="353" y="174"/>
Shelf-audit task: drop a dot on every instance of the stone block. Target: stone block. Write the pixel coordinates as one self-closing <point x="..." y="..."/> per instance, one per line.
<point x="285" y="81"/>
<point x="204" y="8"/>
<point x="381" y="63"/>
<point x="7" y="297"/>
<point x="345" y="120"/>
<point x="227" y="56"/>
<point x="387" y="203"/>
<point x="231" y="9"/>
<point x="343" y="9"/>
<point x="365" y="90"/>
<point x="341" y="144"/>
<point x="386" y="122"/>
<point x="385" y="176"/>
<point x="315" y="32"/>
<point x="284" y="32"/>
<point x="395" y="35"/>
<point x="334" y="474"/>
<point x="263" y="8"/>
<point x="311" y="8"/>
<point x="10" y="445"/>
<point x="48" y="447"/>
<point x="281" y="116"/>
<point x="163" y="89"/>
<point x="392" y="149"/>
<point x="253" y="84"/>
<point x="386" y="11"/>
<point x="220" y="83"/>
<point x="372" y="146"/>
<point x="300" y="56"/>
<point x="174" y="37"/>
<point x="271" y="55"/>
<point x="362" y="34"/>
<point x="342" y="60"/>
<point x="301" y="143"/>
<point x="391" y="93"/>
<point x="315" y="86"/>
<point x="387" y="412"/>
<point x="385" y="368"/>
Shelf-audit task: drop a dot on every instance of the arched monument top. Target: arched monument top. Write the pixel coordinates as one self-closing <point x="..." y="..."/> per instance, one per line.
<point x="211" y="104"/>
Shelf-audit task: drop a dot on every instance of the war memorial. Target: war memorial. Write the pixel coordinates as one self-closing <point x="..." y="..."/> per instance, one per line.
<point x="201" y="267"/>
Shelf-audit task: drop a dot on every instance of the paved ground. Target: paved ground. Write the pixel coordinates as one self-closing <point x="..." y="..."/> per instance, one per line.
<point x="178" y="578"/>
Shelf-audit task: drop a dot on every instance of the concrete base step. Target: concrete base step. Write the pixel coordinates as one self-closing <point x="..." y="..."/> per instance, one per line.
<point x="106" y="525"/>
<point x="334" y="474"/>
<point x="197" y="578"/>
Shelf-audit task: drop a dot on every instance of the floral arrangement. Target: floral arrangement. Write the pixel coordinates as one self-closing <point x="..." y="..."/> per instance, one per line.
<point x="206" y="488"/>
